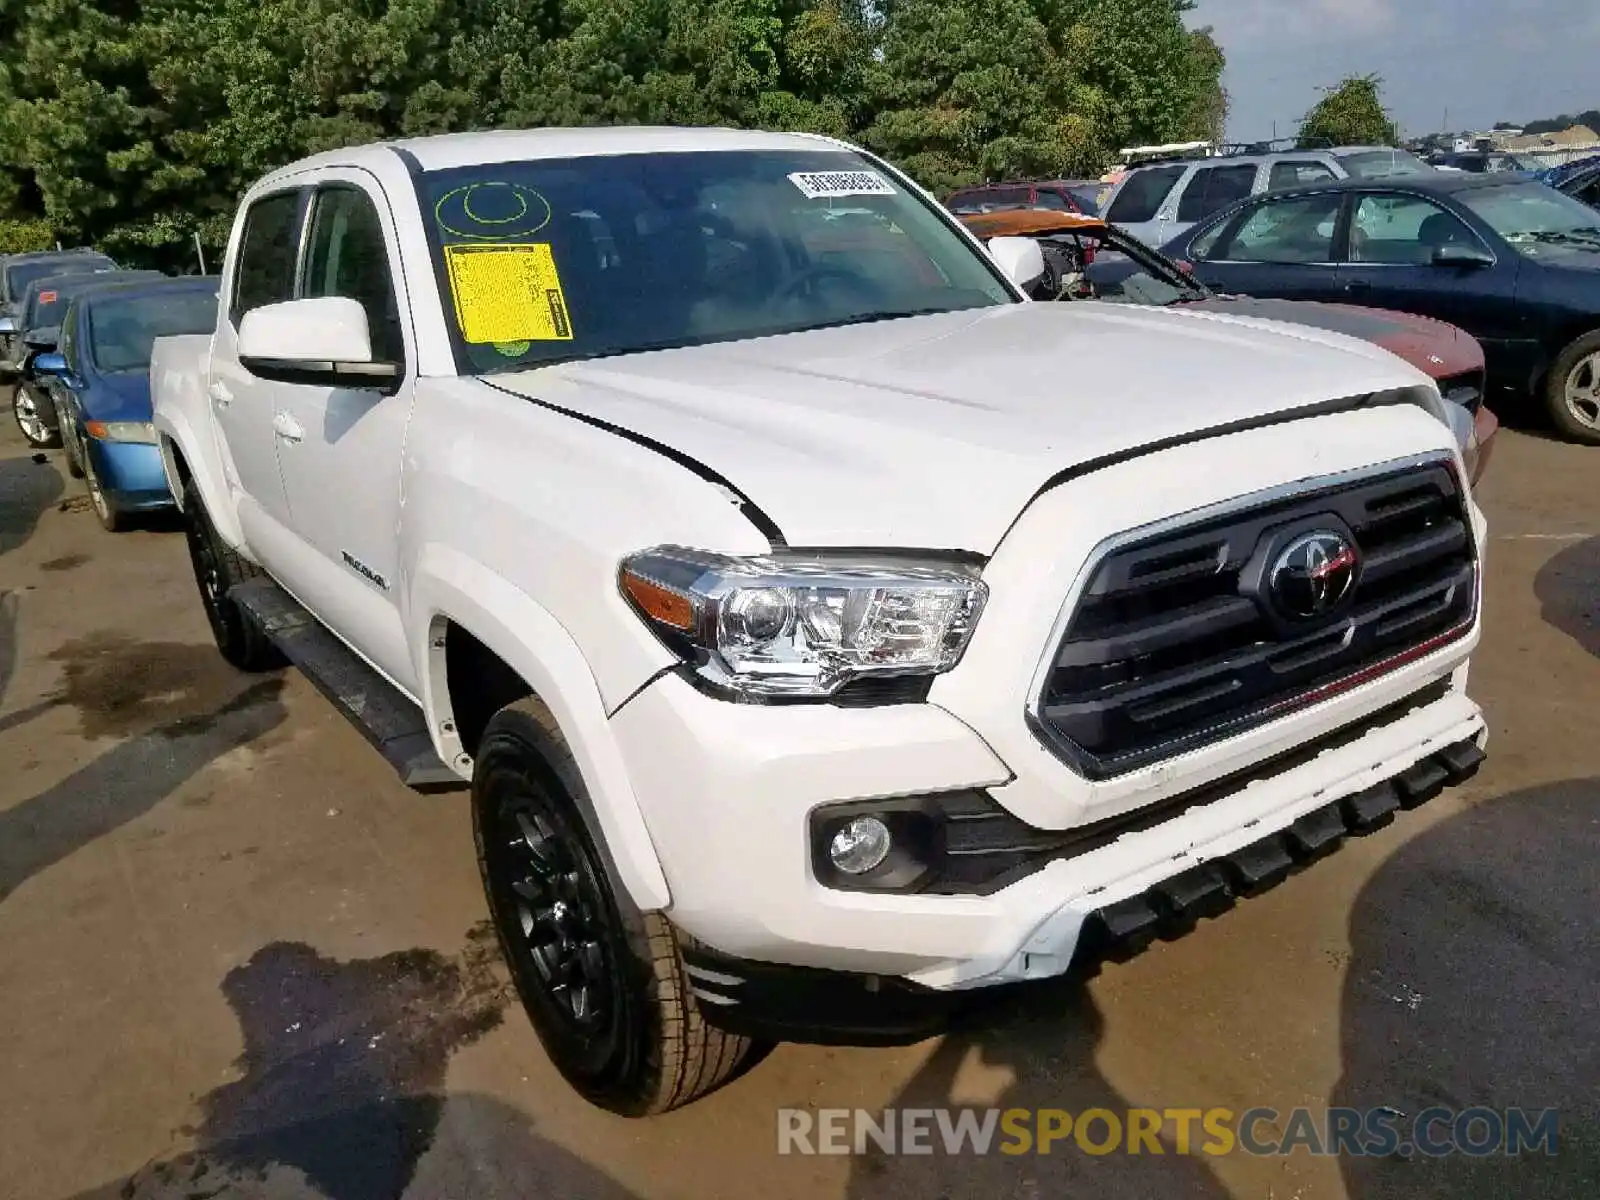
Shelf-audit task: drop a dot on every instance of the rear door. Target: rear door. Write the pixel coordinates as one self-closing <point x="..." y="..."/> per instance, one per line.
<point x="1393" y="238"/>
<point x="1283" y="248"/>
<point x="339" y="447"/>
<point x="262" y="272"/>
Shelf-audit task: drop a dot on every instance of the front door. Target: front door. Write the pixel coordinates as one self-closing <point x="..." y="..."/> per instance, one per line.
<point x="242" y="402"/>
<point x="1279" y="248"/>
<point x="1393" y="239"/>
<point x="340" y="448"/>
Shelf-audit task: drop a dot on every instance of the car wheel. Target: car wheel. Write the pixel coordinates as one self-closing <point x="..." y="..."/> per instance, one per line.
<point x="602" y="982"/>
<point x="73" y="445"/>
<point x="216" y="569"/>
<point x="25" y="408"/>
<point x="111" y="520"/>
<point x="1572" y="393"/>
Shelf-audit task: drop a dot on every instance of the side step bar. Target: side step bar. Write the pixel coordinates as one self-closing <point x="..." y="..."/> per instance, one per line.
<point x="387" y="718"/>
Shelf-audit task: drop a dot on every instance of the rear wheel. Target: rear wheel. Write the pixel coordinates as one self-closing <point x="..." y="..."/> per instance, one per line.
<point x="602" y="982"/>
<point x="217" y="568"/>
<point x="26" y="407"/>
<point x="1572" y="393"/>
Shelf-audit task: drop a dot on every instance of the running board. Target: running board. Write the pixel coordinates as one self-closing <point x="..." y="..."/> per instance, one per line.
<point x="387" y="718"/>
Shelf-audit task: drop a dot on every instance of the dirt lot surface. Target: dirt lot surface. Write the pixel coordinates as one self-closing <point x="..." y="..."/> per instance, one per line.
<point x="237" y="958"/>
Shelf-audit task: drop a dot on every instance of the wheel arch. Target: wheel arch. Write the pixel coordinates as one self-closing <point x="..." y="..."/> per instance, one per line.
<point x="186" y="465"/>
<point x="486" y="644"/>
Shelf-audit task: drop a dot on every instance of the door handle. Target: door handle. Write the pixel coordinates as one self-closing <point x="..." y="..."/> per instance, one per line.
<point x="1357" y="287"/>
<point x="286" y="427"/>
<point x="220" y="394"/>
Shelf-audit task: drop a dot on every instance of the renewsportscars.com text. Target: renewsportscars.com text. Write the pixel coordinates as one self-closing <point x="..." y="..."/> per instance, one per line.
<point x="1337" y="1132"/>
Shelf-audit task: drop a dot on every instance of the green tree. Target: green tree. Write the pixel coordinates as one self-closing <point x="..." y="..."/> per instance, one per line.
<point x="1351" y="114"/>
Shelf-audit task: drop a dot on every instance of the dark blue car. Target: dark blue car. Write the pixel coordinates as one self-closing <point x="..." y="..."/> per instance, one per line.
<point x="1513" y="262"/>
<point x="100" y="382"/>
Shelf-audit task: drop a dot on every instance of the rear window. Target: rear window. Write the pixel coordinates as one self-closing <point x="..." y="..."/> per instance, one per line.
<point x="1142" y="194"/>
<point x="20" y="275"/>
<point x="1214" y="188"/>
<point x="123" y="329"/>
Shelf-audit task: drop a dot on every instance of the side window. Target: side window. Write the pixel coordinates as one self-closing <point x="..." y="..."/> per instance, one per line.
<point x="264" y="273"/>
<point x="1051" y="200"/>
<point x="1293" y="173"/>
<point x="1142" y="193"/>
<point x="1214" y="188"/>
<point x="1589" y="193"/>
<point x="348" y="258"/>
<point x="1296" y="230"/>
<point x="1403" y="230"/>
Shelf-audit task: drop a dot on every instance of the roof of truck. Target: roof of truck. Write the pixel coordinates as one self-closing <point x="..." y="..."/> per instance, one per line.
<point x="514" y="145"/>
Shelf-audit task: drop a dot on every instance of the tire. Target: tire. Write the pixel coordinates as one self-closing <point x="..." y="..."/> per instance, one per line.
<point x="110" y="519"/>
<point x="74" y="453"/>
<point x="602" y="982"/>
<point x="24" y="410"/>
<point x="217" y="567"/>
<point x="1572" y="392"/>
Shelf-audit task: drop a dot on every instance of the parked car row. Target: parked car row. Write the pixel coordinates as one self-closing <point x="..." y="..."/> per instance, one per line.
<point x="76" y="333"/>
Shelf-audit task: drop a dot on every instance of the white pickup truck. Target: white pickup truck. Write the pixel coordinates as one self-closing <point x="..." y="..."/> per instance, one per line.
<point x="828" y="634"/>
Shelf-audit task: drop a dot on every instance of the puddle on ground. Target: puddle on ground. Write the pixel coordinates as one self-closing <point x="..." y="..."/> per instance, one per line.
<point x="67" y="562"/>
<point x="122" y="687"/>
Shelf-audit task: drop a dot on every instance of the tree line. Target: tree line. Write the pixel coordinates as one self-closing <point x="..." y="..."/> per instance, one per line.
<point x="135" y="125"/>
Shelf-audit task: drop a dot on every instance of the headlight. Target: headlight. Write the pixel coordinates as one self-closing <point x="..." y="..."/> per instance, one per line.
<point x="780" y="626"/>
<point x="122" y="431"/>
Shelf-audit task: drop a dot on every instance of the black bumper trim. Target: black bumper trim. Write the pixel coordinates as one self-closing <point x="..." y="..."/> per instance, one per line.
<point x="774" y="1002"/>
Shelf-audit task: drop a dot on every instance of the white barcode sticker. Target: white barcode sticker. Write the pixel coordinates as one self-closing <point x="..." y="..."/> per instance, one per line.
<point x="824" y="185"/>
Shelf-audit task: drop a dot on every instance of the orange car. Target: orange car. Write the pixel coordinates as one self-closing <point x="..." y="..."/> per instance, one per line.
<point x="1077" y="247"/>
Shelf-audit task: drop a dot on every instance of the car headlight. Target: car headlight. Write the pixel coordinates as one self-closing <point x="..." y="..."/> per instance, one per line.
<point x="781" y="626"/>
<point x="142" y="432"/>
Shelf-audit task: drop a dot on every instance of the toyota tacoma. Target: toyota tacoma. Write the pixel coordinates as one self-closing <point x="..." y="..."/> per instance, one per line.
<point x="828" y="634"/>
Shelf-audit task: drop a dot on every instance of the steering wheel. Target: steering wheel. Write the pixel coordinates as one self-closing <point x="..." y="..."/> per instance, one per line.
<point x="812" y="275"/>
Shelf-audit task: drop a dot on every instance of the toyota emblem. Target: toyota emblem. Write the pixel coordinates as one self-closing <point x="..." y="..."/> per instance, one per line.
<point x="1313" y="575"/>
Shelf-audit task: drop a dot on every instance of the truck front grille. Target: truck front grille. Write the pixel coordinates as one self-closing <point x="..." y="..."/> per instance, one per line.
<point x="1194" y="633"/>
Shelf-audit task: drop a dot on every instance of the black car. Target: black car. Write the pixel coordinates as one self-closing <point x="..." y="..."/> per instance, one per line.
<point x="17" y="271"/>
<point x="38" y="322"/>
<point x="1580" y="180"/>
<point x="1513" y="262"/>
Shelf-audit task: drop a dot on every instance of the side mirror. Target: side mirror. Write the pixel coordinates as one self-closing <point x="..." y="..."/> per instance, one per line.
<point x="326" y="337"/>
<point x="8" y="326"/>
<point x="1458" y="254"/>
<point x="40" y="339"/>
<point x="1020" y="258"/>
<point x="50" y="363"/>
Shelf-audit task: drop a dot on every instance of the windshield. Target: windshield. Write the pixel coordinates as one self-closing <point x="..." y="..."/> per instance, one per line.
<point x="559" y="259"/>
<point x="20" y="275"/>
<point x="1537" y="220"/>
<point x="1126" y="272"/>
<point x="123" y="329"/>
<point x="1383" y="164"/>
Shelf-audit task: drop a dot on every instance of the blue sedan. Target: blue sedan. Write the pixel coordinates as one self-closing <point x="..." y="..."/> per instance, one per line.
<point x="1514" y="263"/>
<point x="100" y="383"/>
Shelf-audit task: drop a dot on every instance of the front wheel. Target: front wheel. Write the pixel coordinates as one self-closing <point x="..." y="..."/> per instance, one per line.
<point x="111" y="520"/>
<point x="216" y="569"/>
<point x="25" y="407"/>
<point x="602" y="982"/>
<point x="1572" y="393"/>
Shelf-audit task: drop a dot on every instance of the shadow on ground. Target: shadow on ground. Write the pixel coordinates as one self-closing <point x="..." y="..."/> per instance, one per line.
<point x="340" y="1095"/>
<point x="1475" y="980"/>
<point x="178" y="706"/>
<point x="27" y="489"/>
<point x="1568" y="589"/>
<point x="1045" y="1037"/>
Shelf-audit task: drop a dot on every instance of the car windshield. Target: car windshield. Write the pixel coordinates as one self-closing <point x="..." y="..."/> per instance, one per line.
<point x="1538" y="220"/>
<point x="123" y="329"/>
<point x="1382" y="164"/>
<point x="1126" y="272"/>
<point x="20" y="275"/>
<point x="560" y="259"/>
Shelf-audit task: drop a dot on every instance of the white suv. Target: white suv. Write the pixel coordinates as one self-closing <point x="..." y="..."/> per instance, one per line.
<point x="827" y="633"/>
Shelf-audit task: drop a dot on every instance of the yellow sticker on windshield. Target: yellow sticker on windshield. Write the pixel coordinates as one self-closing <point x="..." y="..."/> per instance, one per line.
<point x="505" y="294"/>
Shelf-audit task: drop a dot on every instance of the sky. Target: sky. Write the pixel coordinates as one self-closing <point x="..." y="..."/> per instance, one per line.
<point x="1482" y="60"/>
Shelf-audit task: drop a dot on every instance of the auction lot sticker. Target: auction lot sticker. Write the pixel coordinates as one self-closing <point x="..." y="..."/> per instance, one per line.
<point x="827" y="185"/>
<point x="507" y="294"/>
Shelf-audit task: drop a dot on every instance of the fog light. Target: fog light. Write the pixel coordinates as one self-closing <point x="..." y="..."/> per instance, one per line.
<point x="860" y="846"/>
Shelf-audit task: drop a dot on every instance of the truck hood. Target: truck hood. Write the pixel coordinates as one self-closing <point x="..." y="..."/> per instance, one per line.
<point x="935" y="432"/>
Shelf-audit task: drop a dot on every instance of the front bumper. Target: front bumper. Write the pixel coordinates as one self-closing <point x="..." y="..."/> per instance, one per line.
<point x="130" y="474"/>
<point x="729" y="791"/>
